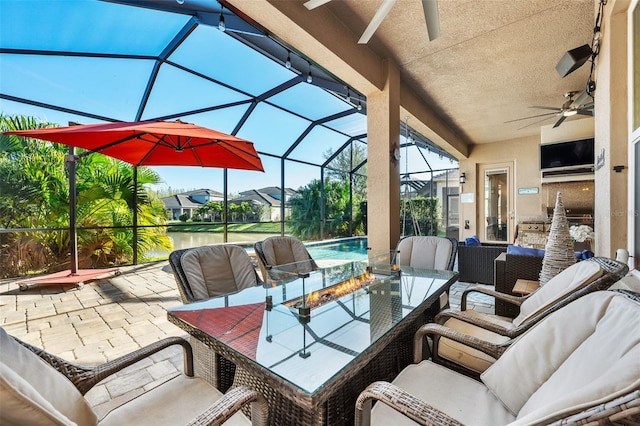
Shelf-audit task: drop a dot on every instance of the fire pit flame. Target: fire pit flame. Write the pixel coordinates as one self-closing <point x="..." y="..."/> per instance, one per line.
<point x="318" y="298"/>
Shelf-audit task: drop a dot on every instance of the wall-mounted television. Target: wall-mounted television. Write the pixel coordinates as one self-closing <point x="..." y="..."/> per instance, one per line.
<point x="577" y="155"/>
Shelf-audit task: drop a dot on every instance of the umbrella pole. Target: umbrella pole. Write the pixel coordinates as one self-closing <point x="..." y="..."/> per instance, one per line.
<point x="73" y="234"/>
<point x="135" y="215"/>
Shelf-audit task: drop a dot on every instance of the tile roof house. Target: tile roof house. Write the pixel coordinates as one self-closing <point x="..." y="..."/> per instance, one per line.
<point x="188" y="202"/>
<point x="270" y="197"/>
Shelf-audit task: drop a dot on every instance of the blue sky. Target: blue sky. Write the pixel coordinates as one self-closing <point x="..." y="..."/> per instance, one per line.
<point x="224" y="71"/>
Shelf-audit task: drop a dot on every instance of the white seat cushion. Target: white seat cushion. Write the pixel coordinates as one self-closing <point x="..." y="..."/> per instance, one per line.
<point x="566" y="282"/>
<point x="38" y="382"/>
<point x="589" y="351"/>
<point x="460" y="397"/>
<point x="425" y="252"/>
<point x="21" y="404"/>
<point x="218" y="270"/>
<point x="175" y="402"/>
<point x="465" y="355"/>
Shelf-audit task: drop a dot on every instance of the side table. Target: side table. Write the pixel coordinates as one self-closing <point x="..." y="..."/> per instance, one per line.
<point x="525" y="287"/>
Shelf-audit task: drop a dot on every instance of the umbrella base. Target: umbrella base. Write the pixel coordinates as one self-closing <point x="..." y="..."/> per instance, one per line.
<point x="66" y="277"/>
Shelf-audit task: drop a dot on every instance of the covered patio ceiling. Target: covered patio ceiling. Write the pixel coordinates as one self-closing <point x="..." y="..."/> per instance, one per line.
<point x="493" y="60"/>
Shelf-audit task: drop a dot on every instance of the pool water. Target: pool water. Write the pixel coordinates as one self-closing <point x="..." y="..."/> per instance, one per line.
<point x="346" y="249"/>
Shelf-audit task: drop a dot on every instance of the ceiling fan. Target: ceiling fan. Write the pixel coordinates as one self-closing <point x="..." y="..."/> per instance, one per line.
<point x="569" y="108"/>
<point x="430" y="8"/>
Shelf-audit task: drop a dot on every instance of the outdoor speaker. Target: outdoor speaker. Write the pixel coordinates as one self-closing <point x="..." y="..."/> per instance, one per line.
<point x="573" y="59"/>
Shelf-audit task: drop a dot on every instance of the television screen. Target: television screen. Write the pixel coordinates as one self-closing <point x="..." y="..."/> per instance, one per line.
<point x="571" y="154"/>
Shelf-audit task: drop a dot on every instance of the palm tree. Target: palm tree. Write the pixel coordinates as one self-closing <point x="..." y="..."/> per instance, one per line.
<point x="34" y="193"/>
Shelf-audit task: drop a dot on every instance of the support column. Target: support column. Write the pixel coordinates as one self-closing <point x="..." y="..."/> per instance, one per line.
<point x="612" y="135"/>
<point x="383" y="182"/>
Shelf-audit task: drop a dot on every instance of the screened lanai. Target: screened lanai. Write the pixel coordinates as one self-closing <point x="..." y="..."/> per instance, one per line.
<point x="105" y="61"/>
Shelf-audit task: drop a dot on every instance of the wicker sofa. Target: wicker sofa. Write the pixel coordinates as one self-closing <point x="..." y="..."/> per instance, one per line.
<point x="476" y="263"/>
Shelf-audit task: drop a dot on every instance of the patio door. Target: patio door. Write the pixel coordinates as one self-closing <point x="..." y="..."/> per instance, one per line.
<point x="495" y="222"/>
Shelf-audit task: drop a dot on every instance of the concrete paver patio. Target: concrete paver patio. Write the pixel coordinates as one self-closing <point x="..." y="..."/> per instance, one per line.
<point x="112" y="317"/>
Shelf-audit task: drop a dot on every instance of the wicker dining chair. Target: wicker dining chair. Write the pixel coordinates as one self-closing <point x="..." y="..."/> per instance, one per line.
<point x="205" y="272"/>
<point x="51" y="392"/>
<point x="470" y="341"/>
<point x="580" y="365"/>
<point x="429" y="252"/>
<point x="209" y="271"/>
<point x="276" y="251"/>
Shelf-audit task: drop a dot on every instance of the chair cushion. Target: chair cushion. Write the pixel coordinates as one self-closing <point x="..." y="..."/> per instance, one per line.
<point x="175" y="402"/>
<point x="525" y="251"/>
<point x="458" y="396"/>
<point x="21" y="404"/>
<point x="472" y="241"/>
<point x="581" y="355"/>
<point x="283" y="250"/>
<point x="566" y="282"/>
<point x="465" y="355"/>
<point x="425" y="252"/>
<point x="41" y="391"/>
<point x="218" y="270"/>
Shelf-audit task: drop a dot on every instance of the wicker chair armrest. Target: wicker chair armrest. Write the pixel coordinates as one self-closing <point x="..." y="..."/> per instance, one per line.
<point x="401" y="401"/>
<point x="516" y="300"/>
<point x="436" y="331"/>
<point x="623" y="408"/>
<point x="84" y="378"/>
<point x="444" y="315"/>
<point x="232" y="402"/>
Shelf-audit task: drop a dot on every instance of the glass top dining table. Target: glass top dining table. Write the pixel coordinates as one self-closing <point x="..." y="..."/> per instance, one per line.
<point x="306" y="331"/>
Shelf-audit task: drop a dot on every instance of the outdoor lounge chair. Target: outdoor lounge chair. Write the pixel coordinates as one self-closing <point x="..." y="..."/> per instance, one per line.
<point x="37" y="388"/>
<point x="482" y="331"/>
<point x="429" y="252"/>
<point x="580" y="364"/>
<point x="277" y="251"/>
<point x="205" y="272"/>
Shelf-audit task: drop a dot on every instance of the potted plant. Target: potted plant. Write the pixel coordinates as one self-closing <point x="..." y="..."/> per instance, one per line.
<point x="582" y="236"/>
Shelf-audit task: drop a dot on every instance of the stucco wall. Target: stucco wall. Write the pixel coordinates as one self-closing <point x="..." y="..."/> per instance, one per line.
<point x="524" y="153"/>
<point x="611" y="130"/>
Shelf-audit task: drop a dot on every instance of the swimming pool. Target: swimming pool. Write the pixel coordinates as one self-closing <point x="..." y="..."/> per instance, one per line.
<point x="342" y="249"/>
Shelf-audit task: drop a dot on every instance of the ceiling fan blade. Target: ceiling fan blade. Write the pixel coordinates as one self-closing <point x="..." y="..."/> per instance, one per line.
<point x="586" y="112"/>
<point x="384" y="8"/>
<point x="559" y="122"/>
<point x="534" y="123"/>
<point x="431" y="17"/>
<point x="546" y="107"/>
<point x="532" y="116"/>
<point x="312" y="4"/>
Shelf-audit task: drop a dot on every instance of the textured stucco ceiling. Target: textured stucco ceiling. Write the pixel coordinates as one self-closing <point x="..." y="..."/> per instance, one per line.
<point x="493" y="60"/>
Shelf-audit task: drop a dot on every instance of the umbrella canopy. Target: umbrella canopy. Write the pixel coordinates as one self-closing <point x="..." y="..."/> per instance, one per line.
<point x="145" y="143"/>
<point x="156" y="143"/>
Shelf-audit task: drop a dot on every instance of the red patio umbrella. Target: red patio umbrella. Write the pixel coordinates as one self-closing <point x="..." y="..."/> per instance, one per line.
<point x="156" y="143"/>
<point x="145" y="143"/>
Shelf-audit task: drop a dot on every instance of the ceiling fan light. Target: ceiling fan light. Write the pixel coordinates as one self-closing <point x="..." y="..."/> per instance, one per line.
<point x="570" y="112"/>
